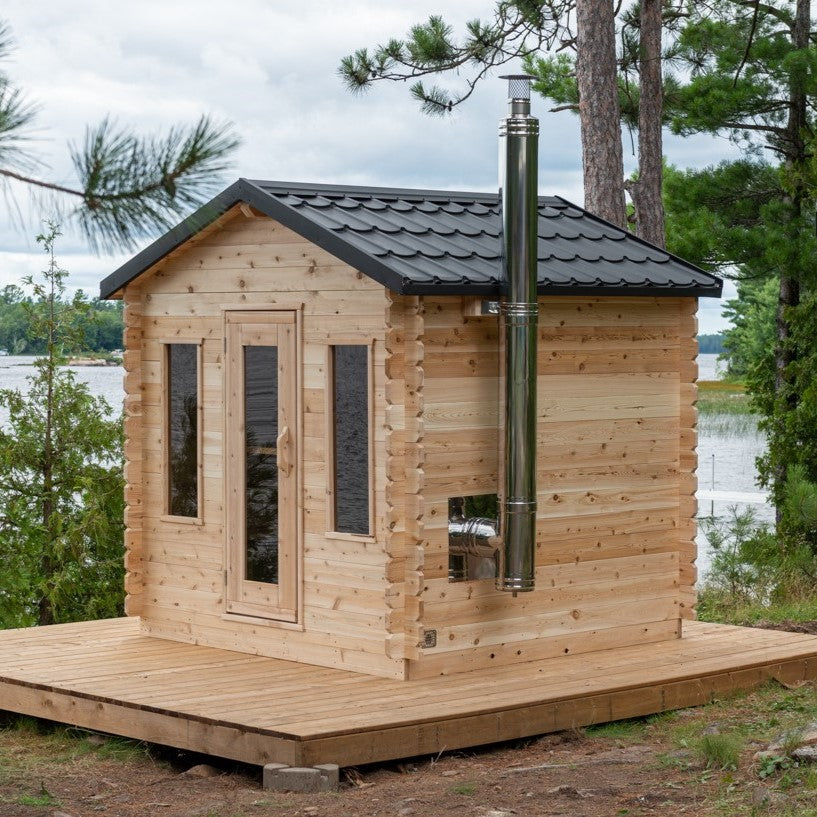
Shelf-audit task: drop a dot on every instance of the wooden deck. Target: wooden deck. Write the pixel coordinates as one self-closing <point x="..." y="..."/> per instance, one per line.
<point x="107" y="676"/>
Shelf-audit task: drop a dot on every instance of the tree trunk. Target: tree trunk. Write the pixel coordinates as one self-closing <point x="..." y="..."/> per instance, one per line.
<point x="795" y="149"/>
<point x="789" y="292"/>
<point x="596" y="73"/>
<point x="646" y="191"/>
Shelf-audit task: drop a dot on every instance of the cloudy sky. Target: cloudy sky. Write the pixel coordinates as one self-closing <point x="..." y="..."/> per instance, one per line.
<point x="270" y="68"/>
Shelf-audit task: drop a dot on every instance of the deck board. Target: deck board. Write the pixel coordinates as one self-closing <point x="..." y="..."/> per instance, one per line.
<point x="109" y="676"/>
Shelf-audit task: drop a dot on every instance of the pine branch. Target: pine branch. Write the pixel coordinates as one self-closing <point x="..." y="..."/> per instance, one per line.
<point x="57" y="188"/>
<point x="132" y="186"/>
<point x="518" y="29"/>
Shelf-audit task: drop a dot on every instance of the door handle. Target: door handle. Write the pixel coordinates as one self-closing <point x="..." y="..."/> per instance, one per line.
<point x="284" y="449"/>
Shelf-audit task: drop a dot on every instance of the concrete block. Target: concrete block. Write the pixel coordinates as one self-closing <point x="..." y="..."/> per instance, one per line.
<point x="331" y="771"/>
<point x="311" y="780"/>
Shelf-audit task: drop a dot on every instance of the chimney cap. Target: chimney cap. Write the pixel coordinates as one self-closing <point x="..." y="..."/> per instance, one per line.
<point x="518" y="85"/>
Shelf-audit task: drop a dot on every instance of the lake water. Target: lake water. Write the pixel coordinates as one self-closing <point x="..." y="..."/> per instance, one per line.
<point x="103" y="381"/>
<point x="726" y="452"/>
<point x="727" y="449"/>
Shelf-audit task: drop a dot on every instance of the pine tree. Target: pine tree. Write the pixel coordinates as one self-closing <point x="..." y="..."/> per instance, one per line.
<point x="753" y="78"/>
<point x="61" y="484"/>
<point x="128" y="187"/>
<point x="523" y="29"/>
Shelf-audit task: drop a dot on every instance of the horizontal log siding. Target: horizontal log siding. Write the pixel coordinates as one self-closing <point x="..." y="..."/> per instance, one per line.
<point x="176" y="578"/>
<point x="615" y="549"/>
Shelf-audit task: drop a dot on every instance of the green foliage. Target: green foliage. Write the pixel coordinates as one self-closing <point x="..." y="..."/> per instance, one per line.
<point x="750" y="341"/>
<point x="128" y="186"/>
<point x="732" y="570"/>
<point x="730" y="216"/>
<point x="99" y="322"/>
<point x="555" y="78"/>
<point x="744" y="67"/>
<point x="772" y="764"/>
<point x="790" y="412"/>
<point x="132" y="185"/>
<point x="710" y="344"/>
<point x="737" y="216"/>
<point x="760" y="575"/>
<point x="61" y="486"/>
<point x="516" y="28"/>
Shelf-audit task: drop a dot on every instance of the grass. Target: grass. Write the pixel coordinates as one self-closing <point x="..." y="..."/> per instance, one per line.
<point x="720" y="751"/>
<point x="723" y="397"/>
<point x="60" y="745"/>
<point x="632" y="729"/>
<point x="464" y="788"/>
<point x="723" y="408"/>
<point x="42" y="799"/>
<point x="718" y="605"/>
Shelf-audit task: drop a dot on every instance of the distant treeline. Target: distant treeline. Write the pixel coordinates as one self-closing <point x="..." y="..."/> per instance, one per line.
<point x="710" y="344"/>
<point x="101" y="325"/>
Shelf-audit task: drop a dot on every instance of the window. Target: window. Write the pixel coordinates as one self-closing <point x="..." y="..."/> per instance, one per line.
<point x="471" y="555"/>
<point x="183" y="430"/>
<point x="349" y="432"/>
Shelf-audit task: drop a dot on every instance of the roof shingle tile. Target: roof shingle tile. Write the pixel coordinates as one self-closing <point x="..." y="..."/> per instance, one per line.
<point x="430" y="241"/>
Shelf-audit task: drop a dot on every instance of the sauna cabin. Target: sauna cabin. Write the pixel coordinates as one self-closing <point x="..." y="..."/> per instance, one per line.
<point x="313" y="394"/>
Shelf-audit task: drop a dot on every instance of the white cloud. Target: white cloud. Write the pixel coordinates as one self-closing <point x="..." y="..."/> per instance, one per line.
<point x="271" y="68"/>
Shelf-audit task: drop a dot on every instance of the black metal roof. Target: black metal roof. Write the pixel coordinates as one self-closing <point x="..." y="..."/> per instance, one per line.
<point x="425" y="242"/>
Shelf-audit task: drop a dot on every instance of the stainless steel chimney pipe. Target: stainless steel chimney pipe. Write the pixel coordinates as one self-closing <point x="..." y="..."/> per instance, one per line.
<point x="511" y="540"/>
<point x="519" y="138"/>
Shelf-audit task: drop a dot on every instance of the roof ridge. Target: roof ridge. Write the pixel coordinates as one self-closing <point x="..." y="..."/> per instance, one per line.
<point x="275" y="186"/>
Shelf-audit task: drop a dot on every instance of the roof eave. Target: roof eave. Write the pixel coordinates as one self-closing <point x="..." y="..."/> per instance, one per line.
<point x="245" y="191"/>
<point x="497" y="291"/>
<point x="171" y="240"/>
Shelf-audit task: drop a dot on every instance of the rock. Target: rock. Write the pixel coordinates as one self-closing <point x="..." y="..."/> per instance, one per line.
<point x="712" y="729"/>
<point x="449" y="773"/>
<point x="209" y="808"/>
<point x="95" y="740"/>
<point x="809" y="735"/>
<point x="202" y="770"/>
<point x="805" y="754"/>
<point x="405" y="801"/>
<point x="767" y="798"/>
<point x="404" y="812"/>
<point x="805" y="736"/>
<point x="308" y="780"/>
<point x="60" y="814"/>
<point x="564" y="791"/>
<point x="311" y="810"/>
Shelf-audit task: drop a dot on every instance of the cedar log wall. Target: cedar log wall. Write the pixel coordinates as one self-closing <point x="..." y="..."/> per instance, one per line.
<point x="175" y="571"/>
<point x="616" y="490"/>
<point x="616" y="459"/>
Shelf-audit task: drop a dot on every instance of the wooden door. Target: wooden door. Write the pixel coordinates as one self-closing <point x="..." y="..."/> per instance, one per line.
<point x="261" y="422"/>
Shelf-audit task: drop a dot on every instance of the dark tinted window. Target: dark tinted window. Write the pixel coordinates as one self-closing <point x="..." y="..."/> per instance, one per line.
<point x="350" y="374"/>
<point x="261" y="474"/>
<point x="183" y="429"/>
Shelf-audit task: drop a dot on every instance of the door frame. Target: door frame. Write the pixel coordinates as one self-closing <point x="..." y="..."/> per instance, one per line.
<point x="244" y="599"/>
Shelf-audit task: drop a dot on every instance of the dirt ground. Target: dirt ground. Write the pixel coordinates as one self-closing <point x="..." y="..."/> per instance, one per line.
<point x="697" y="762"/>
